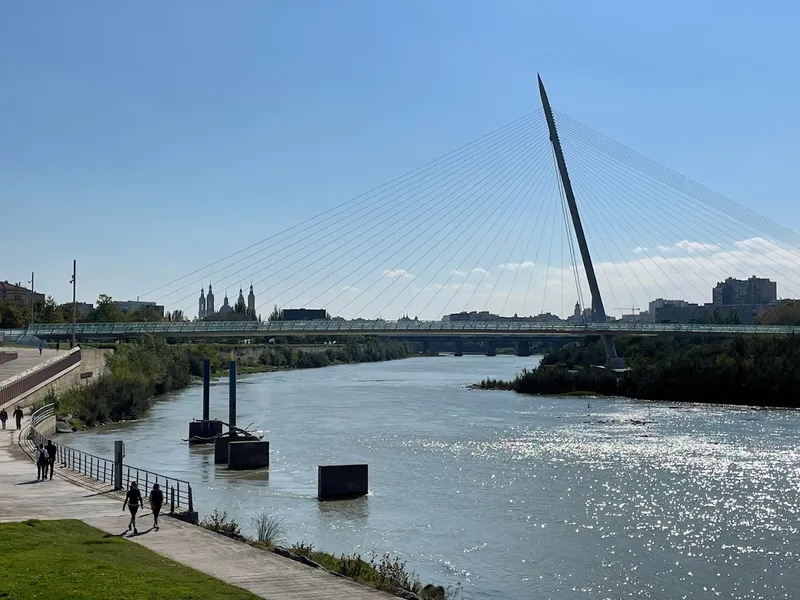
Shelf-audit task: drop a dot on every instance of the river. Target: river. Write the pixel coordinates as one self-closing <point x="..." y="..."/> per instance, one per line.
<point x="513" y="497"/>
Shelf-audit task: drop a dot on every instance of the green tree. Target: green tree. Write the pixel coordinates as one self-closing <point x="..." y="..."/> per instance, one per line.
<point x="275" y="315"/>
<point x="49" y="312"/>
<point x="13" y="316"/>
<point x="786" y="313"/>
<point x="106" y="311"/>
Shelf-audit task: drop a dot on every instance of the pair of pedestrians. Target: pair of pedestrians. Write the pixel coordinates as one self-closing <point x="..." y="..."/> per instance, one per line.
<point x="133" y="501"/>
<point x="17" y="414"/>
<point x="45" y="459"/>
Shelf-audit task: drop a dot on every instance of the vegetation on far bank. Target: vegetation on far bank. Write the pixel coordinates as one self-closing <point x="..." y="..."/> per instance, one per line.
<point x="69" y="559"/>
<point x="381" y="572"/>
<point x="754" y="370"/>
<point x="141" y="370"/>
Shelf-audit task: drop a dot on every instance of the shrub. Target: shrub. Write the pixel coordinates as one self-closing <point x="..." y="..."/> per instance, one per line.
<point x="219" y="523"/>
<point x="269" y="530"/>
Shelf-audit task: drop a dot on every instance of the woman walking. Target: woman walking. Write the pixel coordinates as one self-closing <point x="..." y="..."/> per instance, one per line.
<point x="156" y="501"/>
<point x="133" y="500"/>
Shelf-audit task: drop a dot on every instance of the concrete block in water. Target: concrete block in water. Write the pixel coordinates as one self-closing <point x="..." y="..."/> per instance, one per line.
<point x="248" y="454"/>
<point x="338" y="482"/>
<point x="204" y="429"/>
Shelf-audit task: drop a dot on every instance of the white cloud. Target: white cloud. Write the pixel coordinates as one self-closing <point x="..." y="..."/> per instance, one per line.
<point x="687" y="246"/>
<point x="394" y="273"/>
<point x="351" y="288"/>
<point x="513" y="266"/>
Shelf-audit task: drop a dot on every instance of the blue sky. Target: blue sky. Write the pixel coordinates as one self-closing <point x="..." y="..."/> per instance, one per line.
<point x="148" y="139"/>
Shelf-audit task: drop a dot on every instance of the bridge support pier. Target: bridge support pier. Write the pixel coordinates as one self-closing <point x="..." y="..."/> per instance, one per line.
<point x="523" y="348"/>
<point x="426" y="346"/>
<point x="491" y="348"/>
<point x="459" y="351"/>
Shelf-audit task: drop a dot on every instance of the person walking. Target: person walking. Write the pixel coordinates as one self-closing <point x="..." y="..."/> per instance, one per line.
<point x="133" y="500"/>
<point x="18" y="417"/>
<point x="41" y="463"/>
<point x="3" y="417"/>
<point x="40" y="348"/>
<point x="156" y="502"/>
<point x="51" y="456"/>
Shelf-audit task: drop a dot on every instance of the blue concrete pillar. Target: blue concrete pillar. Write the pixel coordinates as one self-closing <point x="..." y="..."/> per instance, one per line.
<point x="459" y="348"/>
<point x="523" y="348"/>
<point x="232" y="394"/>
<point x="206" y="389"/>
<point x="491" y="348"/>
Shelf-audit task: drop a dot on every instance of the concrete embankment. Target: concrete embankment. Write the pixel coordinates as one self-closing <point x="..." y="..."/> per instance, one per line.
<point x="28" y="379"/>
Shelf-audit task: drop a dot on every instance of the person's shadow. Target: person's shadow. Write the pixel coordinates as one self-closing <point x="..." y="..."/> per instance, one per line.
<point x="28" y="482"/>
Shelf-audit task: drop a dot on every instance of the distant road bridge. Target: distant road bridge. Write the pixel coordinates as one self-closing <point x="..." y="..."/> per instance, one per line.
<point x="389" y="329"/>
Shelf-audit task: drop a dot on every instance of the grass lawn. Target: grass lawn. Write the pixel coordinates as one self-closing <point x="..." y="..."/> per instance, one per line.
<point x="68" y="560"/>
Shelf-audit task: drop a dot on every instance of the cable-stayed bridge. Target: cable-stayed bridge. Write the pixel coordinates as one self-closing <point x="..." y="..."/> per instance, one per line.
<point x="523" y="221"/>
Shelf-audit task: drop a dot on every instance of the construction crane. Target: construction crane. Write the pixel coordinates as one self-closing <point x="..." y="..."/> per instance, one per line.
<point x="632" y="308"/>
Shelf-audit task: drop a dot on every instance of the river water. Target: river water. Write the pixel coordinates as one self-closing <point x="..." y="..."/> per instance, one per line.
<point x="511" y="496"/>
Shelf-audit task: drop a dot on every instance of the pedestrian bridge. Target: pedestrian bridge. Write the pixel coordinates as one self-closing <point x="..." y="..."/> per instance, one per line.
<point x="405" y="329"/>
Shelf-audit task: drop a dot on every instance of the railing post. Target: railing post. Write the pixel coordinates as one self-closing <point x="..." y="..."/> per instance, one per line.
<point x="191" y="501"/>
<point x="119" y="454"/>
<point x="172" y="500"/>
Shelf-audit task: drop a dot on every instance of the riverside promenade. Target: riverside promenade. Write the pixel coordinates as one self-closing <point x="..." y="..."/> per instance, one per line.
<point x="68" y="496"/>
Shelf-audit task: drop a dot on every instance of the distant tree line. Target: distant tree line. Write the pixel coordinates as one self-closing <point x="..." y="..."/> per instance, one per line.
<point x="753" y="370"/>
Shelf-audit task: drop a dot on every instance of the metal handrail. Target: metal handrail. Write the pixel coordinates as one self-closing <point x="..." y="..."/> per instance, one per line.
<point x="381" y="327"/>
<point x="177" y="492"/>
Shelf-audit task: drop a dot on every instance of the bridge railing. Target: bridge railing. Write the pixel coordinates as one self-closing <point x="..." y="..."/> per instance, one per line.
<point x="277" y="328"/>
<point x="177" y="492"/>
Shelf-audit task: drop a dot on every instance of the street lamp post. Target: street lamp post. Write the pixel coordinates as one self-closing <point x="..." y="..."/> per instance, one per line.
<point x="74" y="305"/>
<point x="33" y="291"/>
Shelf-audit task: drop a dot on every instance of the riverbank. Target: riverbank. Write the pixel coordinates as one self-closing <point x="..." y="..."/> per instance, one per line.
<point x="763" y="371"/>
<point x="140" y="371"/>
<point x="264" y="574"/>
<point x="381" y="572"/>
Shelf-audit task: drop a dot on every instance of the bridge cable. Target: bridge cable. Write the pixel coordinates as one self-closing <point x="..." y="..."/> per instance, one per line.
<point x="435" y="258"/>
<point x="519" y="195"/>
<point x="380" y="233"/>
<point x="665" y="207"/>
<point x="346" y="203"/>
<point x="486" y="230"/>
<point x="377" y="205"/>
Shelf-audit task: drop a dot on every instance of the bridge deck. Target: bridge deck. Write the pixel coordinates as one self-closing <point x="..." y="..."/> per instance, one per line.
<point x="28" y="358"/>
<point x="265" y="574"/>
<point x="392" y="328"/>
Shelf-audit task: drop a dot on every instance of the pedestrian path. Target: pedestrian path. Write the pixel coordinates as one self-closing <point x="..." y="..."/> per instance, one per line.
<point x="265" y="574"/>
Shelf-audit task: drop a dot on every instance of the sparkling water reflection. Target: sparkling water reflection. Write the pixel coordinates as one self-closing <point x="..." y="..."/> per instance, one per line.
<point x="512" y="496"/>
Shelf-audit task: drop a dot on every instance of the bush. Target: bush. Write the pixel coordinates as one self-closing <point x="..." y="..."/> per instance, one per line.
<point x="219" y="523"/>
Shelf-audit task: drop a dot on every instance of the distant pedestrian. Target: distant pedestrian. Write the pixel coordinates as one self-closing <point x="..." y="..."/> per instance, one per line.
<point x="133" y="500"/>
<point x="58" y="345"/>
<point x="40" y="348"/>
<point x="156" y="502"/>
<point x="51" y="456"/>
<point x="18" y="417"/>
<point x="41" y="462"/>
<point x="3" y="417"/>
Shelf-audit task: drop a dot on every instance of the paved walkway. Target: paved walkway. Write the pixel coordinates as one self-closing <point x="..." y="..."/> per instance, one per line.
<point x="262" y="573"/>
<point x="28" y="357"/>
